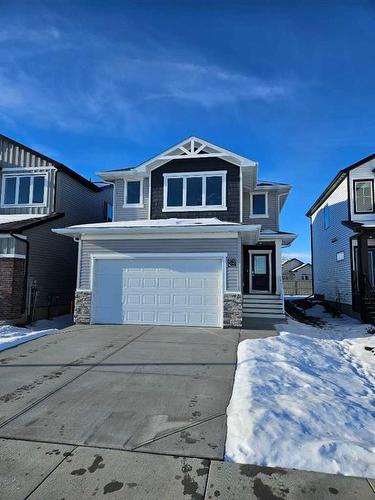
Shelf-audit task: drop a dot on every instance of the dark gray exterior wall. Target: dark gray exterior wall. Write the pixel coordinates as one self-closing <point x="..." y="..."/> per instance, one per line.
<point x="53" y="257"/>
<point x="232" y="214"/>
<point x="215" y="245"/>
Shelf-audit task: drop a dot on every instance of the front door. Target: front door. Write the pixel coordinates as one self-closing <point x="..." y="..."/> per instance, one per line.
<point x="371" y="266"/>
<point x="260" y="277"/>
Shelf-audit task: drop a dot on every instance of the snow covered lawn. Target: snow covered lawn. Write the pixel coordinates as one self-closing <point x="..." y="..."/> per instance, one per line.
<point x="306" y="399"/>
<point x="10" y="336"/>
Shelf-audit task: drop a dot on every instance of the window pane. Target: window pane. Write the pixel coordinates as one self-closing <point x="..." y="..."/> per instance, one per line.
<point x="108" y="211"/>
<point x="363" y="192"/>
<point x="259" y="204"/>
<point x="260" y="264"/>
<point x="193" y="191"/>
<point x="10" y="190"/>
<point x="24" y="190"/>
<point x="38" y="191"/>
<point x="214" y="190"/>
<point x="326" y="217"/>
<point x="174" y="195"/>
<point x="133" y="192"/>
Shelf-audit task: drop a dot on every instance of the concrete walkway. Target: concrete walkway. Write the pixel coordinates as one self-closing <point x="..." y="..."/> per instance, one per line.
<point x="133" y="412"/>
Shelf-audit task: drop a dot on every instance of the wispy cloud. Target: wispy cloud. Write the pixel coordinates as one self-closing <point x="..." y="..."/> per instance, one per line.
<point x="304" y="256"/>
<point x="81" y="81"/>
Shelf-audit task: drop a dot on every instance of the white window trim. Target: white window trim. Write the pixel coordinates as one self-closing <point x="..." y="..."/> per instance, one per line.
<point x="134" y="205"/>
<point x="195" y="208"/>
<point x="259" y="216"/>
<point x="17" y="176"/>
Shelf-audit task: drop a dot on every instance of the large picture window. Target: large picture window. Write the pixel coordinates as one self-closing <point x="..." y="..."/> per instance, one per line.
<point x="23" y="190"/>
<point x="363" y="196"/>
<point x="195" y="191"/>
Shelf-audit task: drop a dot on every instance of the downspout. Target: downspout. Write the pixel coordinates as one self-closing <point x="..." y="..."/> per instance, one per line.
<point x="24" y="293"/>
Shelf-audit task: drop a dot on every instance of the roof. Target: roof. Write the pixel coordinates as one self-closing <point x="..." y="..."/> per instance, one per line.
<point x="20" y="222"/>
<point x="160" y="226"/>
<point x="300" y="267"/>
<point x="335" y="182"/>
<point x="56" y="164"/>
<point x="191" y="147"/>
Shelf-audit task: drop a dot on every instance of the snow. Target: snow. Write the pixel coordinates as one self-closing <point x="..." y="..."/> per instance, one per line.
<point x="160" y="223"/>
<point x="11" y="336"/>
<point x="5" y="219"/>
<point x="305" y="399"/>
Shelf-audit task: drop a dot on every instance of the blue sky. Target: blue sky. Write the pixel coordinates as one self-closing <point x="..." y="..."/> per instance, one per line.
<point x="100" y="85"/>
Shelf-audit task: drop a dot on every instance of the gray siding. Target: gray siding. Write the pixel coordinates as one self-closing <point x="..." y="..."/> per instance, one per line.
<point x="129" y="213"/>
<point x="271" y="222"/>
<point x="22" y="161"/>
<point x="228" y="245"/>
<point x="53" y="258"/>
<point x="331" y="278"/>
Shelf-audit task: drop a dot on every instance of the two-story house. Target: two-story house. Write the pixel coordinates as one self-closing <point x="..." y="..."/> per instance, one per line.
<point x="195" y="241"/>
<point x="37" y="266"/>
<point x="343" y="244"/>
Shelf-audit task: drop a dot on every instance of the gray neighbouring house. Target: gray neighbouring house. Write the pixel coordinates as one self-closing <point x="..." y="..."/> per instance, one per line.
<point x="37" y="266"/>
<point x="343" y="240"/>
<point x="297" y="277"/>
<point x="195" y="241"/>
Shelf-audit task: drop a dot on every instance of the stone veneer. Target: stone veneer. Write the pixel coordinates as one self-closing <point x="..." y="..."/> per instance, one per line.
<point x="232" y="310"/>
<point x="12" y="274"/>
<point x="82" y="307"/>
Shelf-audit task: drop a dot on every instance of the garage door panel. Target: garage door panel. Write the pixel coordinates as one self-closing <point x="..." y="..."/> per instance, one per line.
<point x="164" y="291"/>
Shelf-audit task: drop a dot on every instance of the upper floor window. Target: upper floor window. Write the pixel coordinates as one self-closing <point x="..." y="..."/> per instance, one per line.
<point x="363" y="196"/>
<point x="326" y="217"/>
<point x="195" y="191"/>
<point x="23" y="190"/>
<point x="133" y="195"/>
<point x="259" y="205"/>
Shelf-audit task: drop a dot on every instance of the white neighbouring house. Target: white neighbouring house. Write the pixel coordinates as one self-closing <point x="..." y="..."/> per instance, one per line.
<point x="343" y="240"/>
<point x="194" y="241"/>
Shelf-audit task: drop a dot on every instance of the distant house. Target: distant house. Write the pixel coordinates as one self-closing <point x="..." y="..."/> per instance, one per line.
<point x="343" y="240"/>
<point x="37" y="266"/>
<point x="297" y="277"/>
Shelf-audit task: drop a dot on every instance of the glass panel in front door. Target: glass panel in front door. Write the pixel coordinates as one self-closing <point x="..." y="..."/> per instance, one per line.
<point x="260" y="273"/>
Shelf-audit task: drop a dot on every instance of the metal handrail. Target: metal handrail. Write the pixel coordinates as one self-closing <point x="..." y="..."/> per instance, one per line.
<point x="281" y="289"/>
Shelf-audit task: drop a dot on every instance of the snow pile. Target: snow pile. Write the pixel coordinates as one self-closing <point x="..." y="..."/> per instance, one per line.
<point x="10" y="336"/>
<point x="306" y="399"/>
<point x="160" y="223"/>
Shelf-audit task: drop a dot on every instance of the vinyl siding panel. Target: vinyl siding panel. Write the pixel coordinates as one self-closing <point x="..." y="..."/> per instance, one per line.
<point x="331" y="278"/>
<point x="271" y="222"/>
<point x="130" y="213"/>
<point x="228" y="245"/>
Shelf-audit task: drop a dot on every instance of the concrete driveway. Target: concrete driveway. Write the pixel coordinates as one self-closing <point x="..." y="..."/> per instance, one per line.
<point x="158" y="389"/>
<point x="134" y="412"/>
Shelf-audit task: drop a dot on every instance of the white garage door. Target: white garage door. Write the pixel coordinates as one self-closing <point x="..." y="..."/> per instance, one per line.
<point x="167" y="291"/>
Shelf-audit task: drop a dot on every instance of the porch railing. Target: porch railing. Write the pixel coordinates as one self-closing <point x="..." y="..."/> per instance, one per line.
<point x="281" y="289"/>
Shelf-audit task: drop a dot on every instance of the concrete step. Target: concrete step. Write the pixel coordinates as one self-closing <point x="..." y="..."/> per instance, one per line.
<point x="263" y="315"/>
<point x="259" y="301"/>
<point x="261" y="296"/>
<point x="273" y="307"/>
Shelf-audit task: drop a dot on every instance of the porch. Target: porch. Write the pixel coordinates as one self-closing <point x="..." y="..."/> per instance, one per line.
<point x="363" y="274"/>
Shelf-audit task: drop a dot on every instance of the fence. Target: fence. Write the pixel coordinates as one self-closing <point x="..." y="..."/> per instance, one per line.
<point x="297" y="287"/>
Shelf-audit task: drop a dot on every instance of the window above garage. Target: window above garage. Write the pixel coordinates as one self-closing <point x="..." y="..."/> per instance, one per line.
<point x="195" y="191"/>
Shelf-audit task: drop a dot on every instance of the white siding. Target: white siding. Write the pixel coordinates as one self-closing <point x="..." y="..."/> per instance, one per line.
<point x="331" y="278"/>
<point x="361" y="172"/>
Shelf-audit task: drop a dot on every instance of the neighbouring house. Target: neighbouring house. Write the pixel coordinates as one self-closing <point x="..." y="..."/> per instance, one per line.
<point x="297" y="277"/>
<point x="195" y="241"/>
<point x="37" y="266"/>
<point x="343" y="240"/>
